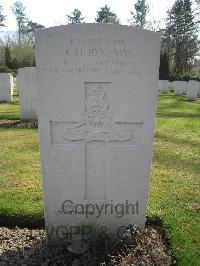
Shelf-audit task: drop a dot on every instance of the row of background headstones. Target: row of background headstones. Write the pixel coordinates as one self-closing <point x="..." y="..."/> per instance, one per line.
<point x="27" y="89"/>
<point x="190" y="88"/>
<point x="6" y="87"/>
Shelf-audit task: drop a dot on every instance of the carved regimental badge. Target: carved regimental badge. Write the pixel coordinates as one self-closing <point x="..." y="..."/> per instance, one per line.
<point x="97" y="124"/>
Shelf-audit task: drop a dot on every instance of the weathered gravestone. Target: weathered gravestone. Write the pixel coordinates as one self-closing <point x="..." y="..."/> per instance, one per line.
<point x="27" y="87"/>
<point x="97" y="102"/>
<point x="164" y="85"/>
<point x="171" y="85"/>
<point x="192" y="90"/>
<point x="180" y="87"/>
<point x="160" y="85"/>
<point x="185" y="86"/>
<point x="199" y="89"/>
<point x="6" y="87"/>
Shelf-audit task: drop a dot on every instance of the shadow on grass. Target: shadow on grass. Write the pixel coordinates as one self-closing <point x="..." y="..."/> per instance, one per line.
<point x="170" y="101"/>
<point x="30" y="222"/>
<point x="177" y="115"/>
<point x="167" y="159"/>
<point x="6" y="112"/>
<point x="179" y="105"/>
<point x="15" y="103"/>
<point x="174" y="102"/>
<point x="176" y="140"/>
<point x="12" y="221"/>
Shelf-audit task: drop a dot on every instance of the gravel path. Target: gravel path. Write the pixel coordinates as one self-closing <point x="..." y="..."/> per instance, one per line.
<point x="28" y="247"/>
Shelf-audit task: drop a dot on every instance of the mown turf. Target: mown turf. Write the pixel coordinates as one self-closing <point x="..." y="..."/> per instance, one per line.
<point x="11" y="110"/>
<point x="175" y="180"/>
<point x="174" y="187"/>
<point x="20" y="191"/>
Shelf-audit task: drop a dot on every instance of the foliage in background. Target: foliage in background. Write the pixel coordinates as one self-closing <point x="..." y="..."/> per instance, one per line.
<point x="140" y="13"/>
<point x="2" y="17"/>
<point x="75" y="17"/>
<point x="164" y="66"/>
<point x="17" y="50"/>
<point x="29" y="32"/>
<point x="179" y="50"/>
<point x="21" y="19"/>
<point x="180" y="38"/>
<point x="105" y="15"/>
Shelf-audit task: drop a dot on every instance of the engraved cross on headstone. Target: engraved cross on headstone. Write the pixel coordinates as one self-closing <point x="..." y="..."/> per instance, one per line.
<point x="97" y="130"/>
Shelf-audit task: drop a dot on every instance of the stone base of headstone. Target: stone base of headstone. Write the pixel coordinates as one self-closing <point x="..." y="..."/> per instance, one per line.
<point x="77" y="247"/>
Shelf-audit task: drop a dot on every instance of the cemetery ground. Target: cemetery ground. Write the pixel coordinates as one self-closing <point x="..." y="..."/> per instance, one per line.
<point x="10" y="111"/>
<point x="174" y="187"/>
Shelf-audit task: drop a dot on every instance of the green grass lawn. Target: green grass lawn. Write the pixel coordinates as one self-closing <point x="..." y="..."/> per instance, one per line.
<point x="11" y="110"/>
<point x="175" y="180"/>
<point x="174" y="187"/>
<point x="20" y="191"/>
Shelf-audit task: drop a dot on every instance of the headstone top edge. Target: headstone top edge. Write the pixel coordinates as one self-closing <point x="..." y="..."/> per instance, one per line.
<point x="97" y="26"/>
<point x="24" y="68"/>
<point x="5" y="74"/>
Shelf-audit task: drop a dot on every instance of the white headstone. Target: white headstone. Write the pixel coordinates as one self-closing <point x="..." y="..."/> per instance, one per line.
<point x="6" y="87"/>
<point x="192" y="90"/>
<point x="199" y="89"/>
<point x="164" y="85"/>
<point x="180" y="87"/>
<point x="27" y="87"/>
<point x="97" y="103"/>
<point x="171" y="85"/>
<point x="160" y="85"/>
<point x="184" y="86"/>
